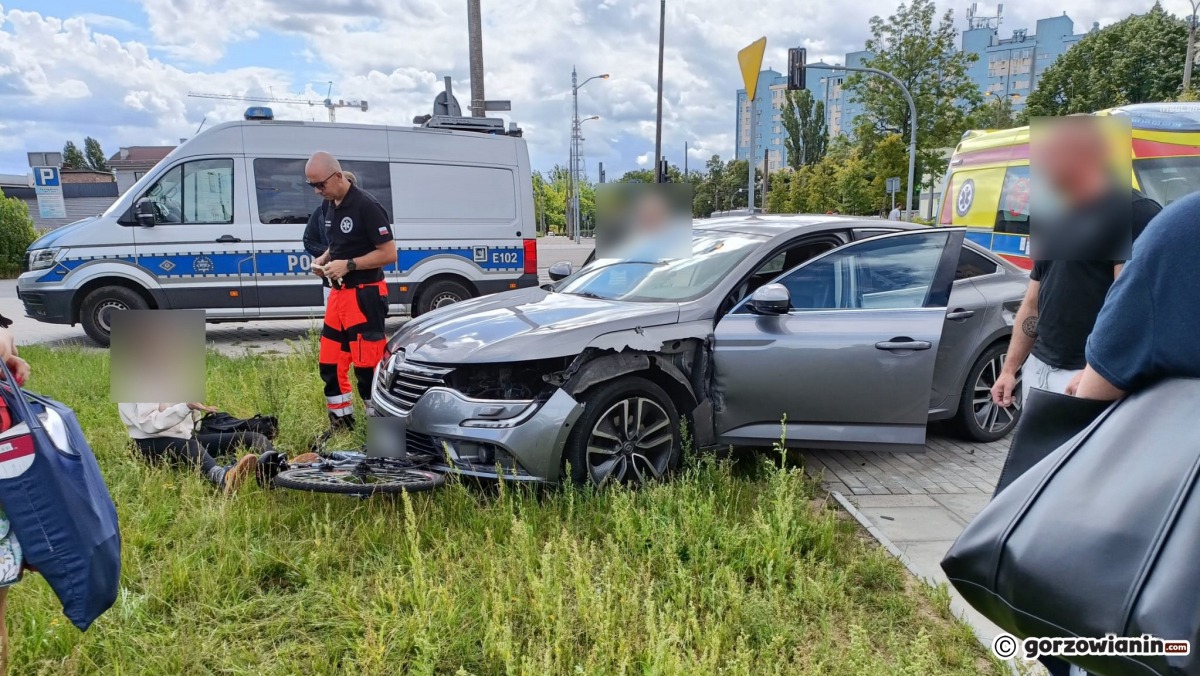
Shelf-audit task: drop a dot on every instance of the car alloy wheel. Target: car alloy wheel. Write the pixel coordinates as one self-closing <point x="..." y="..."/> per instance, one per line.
<point x="631" y="442"/>
<point x="991" y="418"/>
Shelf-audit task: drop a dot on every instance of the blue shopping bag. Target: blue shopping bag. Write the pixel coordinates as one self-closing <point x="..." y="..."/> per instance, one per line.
<point x="58" y="504"/>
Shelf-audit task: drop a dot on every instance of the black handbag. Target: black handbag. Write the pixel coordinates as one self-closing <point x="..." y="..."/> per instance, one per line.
<point x="1048" y="420"/>
<point x="1100" y="537"/>
<point x="221" y="422"/>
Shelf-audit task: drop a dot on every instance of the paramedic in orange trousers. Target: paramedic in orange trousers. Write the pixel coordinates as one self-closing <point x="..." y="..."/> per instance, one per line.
<point x="361" y="244"/>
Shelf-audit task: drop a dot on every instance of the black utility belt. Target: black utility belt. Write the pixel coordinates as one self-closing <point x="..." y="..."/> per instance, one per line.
<point x="341" y="286"/>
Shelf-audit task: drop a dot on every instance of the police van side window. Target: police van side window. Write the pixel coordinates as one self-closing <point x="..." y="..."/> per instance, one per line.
<point x="284" y="197"/>
<point x="194" y="192"/>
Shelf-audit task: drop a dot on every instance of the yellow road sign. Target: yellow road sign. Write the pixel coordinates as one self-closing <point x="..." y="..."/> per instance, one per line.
<point x="750" y="59"/>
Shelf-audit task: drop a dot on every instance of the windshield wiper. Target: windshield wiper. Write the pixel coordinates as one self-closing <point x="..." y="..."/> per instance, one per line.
<point x="585" y="294"/>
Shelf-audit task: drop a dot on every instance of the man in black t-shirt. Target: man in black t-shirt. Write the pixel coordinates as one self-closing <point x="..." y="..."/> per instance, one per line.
<point x="360" y="246"/>
<point x="1077" y="257"/>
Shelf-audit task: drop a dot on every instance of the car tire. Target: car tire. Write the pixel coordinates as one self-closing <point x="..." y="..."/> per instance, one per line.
<point x="979" y="419"/>
<point x="649" y="448"/>
<point x="441" y="293"/>
<point x="94" y="312"/>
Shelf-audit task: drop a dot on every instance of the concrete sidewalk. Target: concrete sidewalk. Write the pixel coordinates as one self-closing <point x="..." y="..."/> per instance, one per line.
<point x="916" y="504"/>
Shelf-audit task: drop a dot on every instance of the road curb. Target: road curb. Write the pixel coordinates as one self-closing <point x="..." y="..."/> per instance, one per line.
<point x="955" y="603"/>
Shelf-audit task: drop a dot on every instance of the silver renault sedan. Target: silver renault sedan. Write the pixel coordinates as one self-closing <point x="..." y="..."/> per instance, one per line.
<point x="845" y="333"/>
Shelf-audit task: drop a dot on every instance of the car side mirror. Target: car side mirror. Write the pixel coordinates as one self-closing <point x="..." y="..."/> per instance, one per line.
<point x="771" y="299"/>
<point x="144" y="210"/>
<point x="560" y="270"/>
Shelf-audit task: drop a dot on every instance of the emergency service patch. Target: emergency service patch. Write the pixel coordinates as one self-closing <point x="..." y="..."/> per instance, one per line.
<point x="347" y="225"/>
<point x="383" y="231"/>
<point x="966" y="196"/>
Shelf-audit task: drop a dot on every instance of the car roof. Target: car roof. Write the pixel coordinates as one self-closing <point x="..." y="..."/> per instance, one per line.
<point x="772" y="225"/>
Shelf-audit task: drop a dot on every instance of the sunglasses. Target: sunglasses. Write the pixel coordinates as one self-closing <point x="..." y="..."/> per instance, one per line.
<point x="320" y="185"/>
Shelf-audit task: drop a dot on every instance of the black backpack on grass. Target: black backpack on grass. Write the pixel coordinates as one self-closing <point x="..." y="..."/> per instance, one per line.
<point x="219" y="423"/>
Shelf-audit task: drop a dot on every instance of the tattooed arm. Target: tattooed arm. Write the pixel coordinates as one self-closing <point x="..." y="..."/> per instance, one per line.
<point x="1019" y="346"/>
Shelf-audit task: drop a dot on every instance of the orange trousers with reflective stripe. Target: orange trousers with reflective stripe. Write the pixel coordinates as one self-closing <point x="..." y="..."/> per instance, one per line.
<point x="353" y="336"/>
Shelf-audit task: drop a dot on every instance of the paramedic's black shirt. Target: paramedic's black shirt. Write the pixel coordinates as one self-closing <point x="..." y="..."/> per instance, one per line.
<point x="1071" y="293"/>
<point x="355" y="228"/>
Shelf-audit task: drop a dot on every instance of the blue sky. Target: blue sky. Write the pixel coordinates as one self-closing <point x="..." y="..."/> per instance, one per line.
<point x="120" y="70"/>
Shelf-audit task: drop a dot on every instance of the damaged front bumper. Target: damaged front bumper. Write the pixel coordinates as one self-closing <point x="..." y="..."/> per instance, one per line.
<point x="516" y="440"/>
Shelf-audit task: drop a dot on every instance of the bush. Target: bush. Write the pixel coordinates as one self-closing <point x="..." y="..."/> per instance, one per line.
<point x="16" y="234"/>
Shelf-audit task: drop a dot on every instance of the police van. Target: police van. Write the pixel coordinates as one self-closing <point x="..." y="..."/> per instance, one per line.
<point x="218" y="224"/>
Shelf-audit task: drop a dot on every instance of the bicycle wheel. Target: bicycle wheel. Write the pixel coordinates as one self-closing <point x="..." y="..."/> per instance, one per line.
<point x="363" y="478"/>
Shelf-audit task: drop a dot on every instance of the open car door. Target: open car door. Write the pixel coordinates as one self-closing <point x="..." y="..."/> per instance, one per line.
<point x="843" y="346"/>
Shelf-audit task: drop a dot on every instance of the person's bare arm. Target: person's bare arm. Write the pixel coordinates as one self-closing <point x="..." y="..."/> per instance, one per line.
<point x="1092" y="385"/>
<point x="1019" y="347"/>
<point x="384" y="254"/>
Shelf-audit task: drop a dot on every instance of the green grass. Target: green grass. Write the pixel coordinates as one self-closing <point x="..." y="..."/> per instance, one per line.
<point x="728" y="569"/>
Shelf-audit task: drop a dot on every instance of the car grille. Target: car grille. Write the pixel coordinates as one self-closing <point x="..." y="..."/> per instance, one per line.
<point x="407" y="382"/>
<point x="422" y="444"/>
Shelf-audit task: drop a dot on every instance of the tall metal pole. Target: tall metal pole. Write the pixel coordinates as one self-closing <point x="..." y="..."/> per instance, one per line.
<point x="574" y="153"/>
<point x="912" y="117"/>
<point x="1191" y="47"/>
<point x="662" y="25"/>
<point x="685" y="168"/>
<point x="750" y="160"/>
<point x="475" y="37"/>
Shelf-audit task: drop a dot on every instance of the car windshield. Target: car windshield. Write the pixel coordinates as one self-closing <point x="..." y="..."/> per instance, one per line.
<point x="1166" y="179"/>
<point x="714" y="255"/>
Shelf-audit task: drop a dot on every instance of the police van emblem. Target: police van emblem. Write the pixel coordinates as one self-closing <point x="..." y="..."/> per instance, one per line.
<point x="166" y="266"/>
<point x="347" y="225"/>
<point x="203" y="265"/>
<point x="966" y="196"/>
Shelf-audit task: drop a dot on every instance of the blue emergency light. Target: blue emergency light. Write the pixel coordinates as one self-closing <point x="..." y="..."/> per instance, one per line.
<point x="259" y="113"/>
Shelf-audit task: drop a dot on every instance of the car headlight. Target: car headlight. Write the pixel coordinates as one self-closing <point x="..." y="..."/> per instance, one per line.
<point x="40" y="259"/>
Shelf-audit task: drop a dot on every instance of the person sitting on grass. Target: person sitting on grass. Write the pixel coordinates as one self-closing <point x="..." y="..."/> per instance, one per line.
<point x="168" y="431"/>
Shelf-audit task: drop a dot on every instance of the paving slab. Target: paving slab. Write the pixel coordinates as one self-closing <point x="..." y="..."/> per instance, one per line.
<point x="915" y="524"/>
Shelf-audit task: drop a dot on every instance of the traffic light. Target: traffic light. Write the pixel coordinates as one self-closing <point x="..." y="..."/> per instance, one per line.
<point x="797" y="58"/>
<point x="662" y="171"/>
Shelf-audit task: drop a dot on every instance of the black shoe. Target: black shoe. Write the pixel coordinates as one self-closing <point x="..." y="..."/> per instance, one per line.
<point x="340" y="423"/>
<point x="270" y="464"/>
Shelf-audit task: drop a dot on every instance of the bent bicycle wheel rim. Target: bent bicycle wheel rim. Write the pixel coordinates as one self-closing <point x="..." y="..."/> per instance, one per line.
<point x="347" y="481"/>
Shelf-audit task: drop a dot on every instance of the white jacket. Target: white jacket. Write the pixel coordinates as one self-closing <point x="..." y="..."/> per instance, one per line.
<point x="147" y="421"/>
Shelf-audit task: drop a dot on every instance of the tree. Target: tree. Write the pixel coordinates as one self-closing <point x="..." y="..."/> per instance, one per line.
<point x="1136" y="60"/>
<point x="888" y="159"/>
<point x="72" y="158"/>
<point x="95" y="155"/>
<point x="919" y="50"/>
<point x="638" y="176"/>
<point x="804" y="121"/>
<point x="16" y="234"/>
<point x="779" y="196"/>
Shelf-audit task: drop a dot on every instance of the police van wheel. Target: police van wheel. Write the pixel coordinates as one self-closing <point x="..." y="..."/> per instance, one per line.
<point x="440" y="294"/>
<point x="96" y="312"/>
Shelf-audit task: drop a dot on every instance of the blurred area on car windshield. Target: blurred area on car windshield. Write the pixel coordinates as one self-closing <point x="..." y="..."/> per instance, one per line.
<point x="644" y="221"/>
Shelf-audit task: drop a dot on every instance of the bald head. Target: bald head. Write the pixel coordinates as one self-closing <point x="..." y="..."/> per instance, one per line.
<point x="324" y="173"/>
<point x="1076" y="157"/>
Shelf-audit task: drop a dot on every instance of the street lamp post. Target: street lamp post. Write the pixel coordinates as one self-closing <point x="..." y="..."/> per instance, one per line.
<point x="579" y="159"/>
<point x="1191" y="46"/>
<point x="574" y="182"/>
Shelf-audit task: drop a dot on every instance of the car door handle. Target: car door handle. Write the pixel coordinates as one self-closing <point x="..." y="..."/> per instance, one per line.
<point x="903" y="343"/>
<point x="959" y="313"/>
<point x="228" y="239"/>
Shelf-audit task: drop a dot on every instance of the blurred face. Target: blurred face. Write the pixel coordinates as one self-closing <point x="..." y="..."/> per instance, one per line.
<point x="1073" y="160"/>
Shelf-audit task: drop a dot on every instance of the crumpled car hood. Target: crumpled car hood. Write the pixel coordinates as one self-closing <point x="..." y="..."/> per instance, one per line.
<point x="521" y="325"/>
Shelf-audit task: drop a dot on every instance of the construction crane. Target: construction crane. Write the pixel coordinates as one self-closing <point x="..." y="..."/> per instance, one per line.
<point x="329" y="103"/>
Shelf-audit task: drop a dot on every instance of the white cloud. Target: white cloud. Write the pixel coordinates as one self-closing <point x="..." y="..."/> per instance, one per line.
<point x="66" y="77"/>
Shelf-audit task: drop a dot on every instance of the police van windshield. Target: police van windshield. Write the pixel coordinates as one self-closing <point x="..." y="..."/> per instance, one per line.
<point x="1166" y="179"/>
